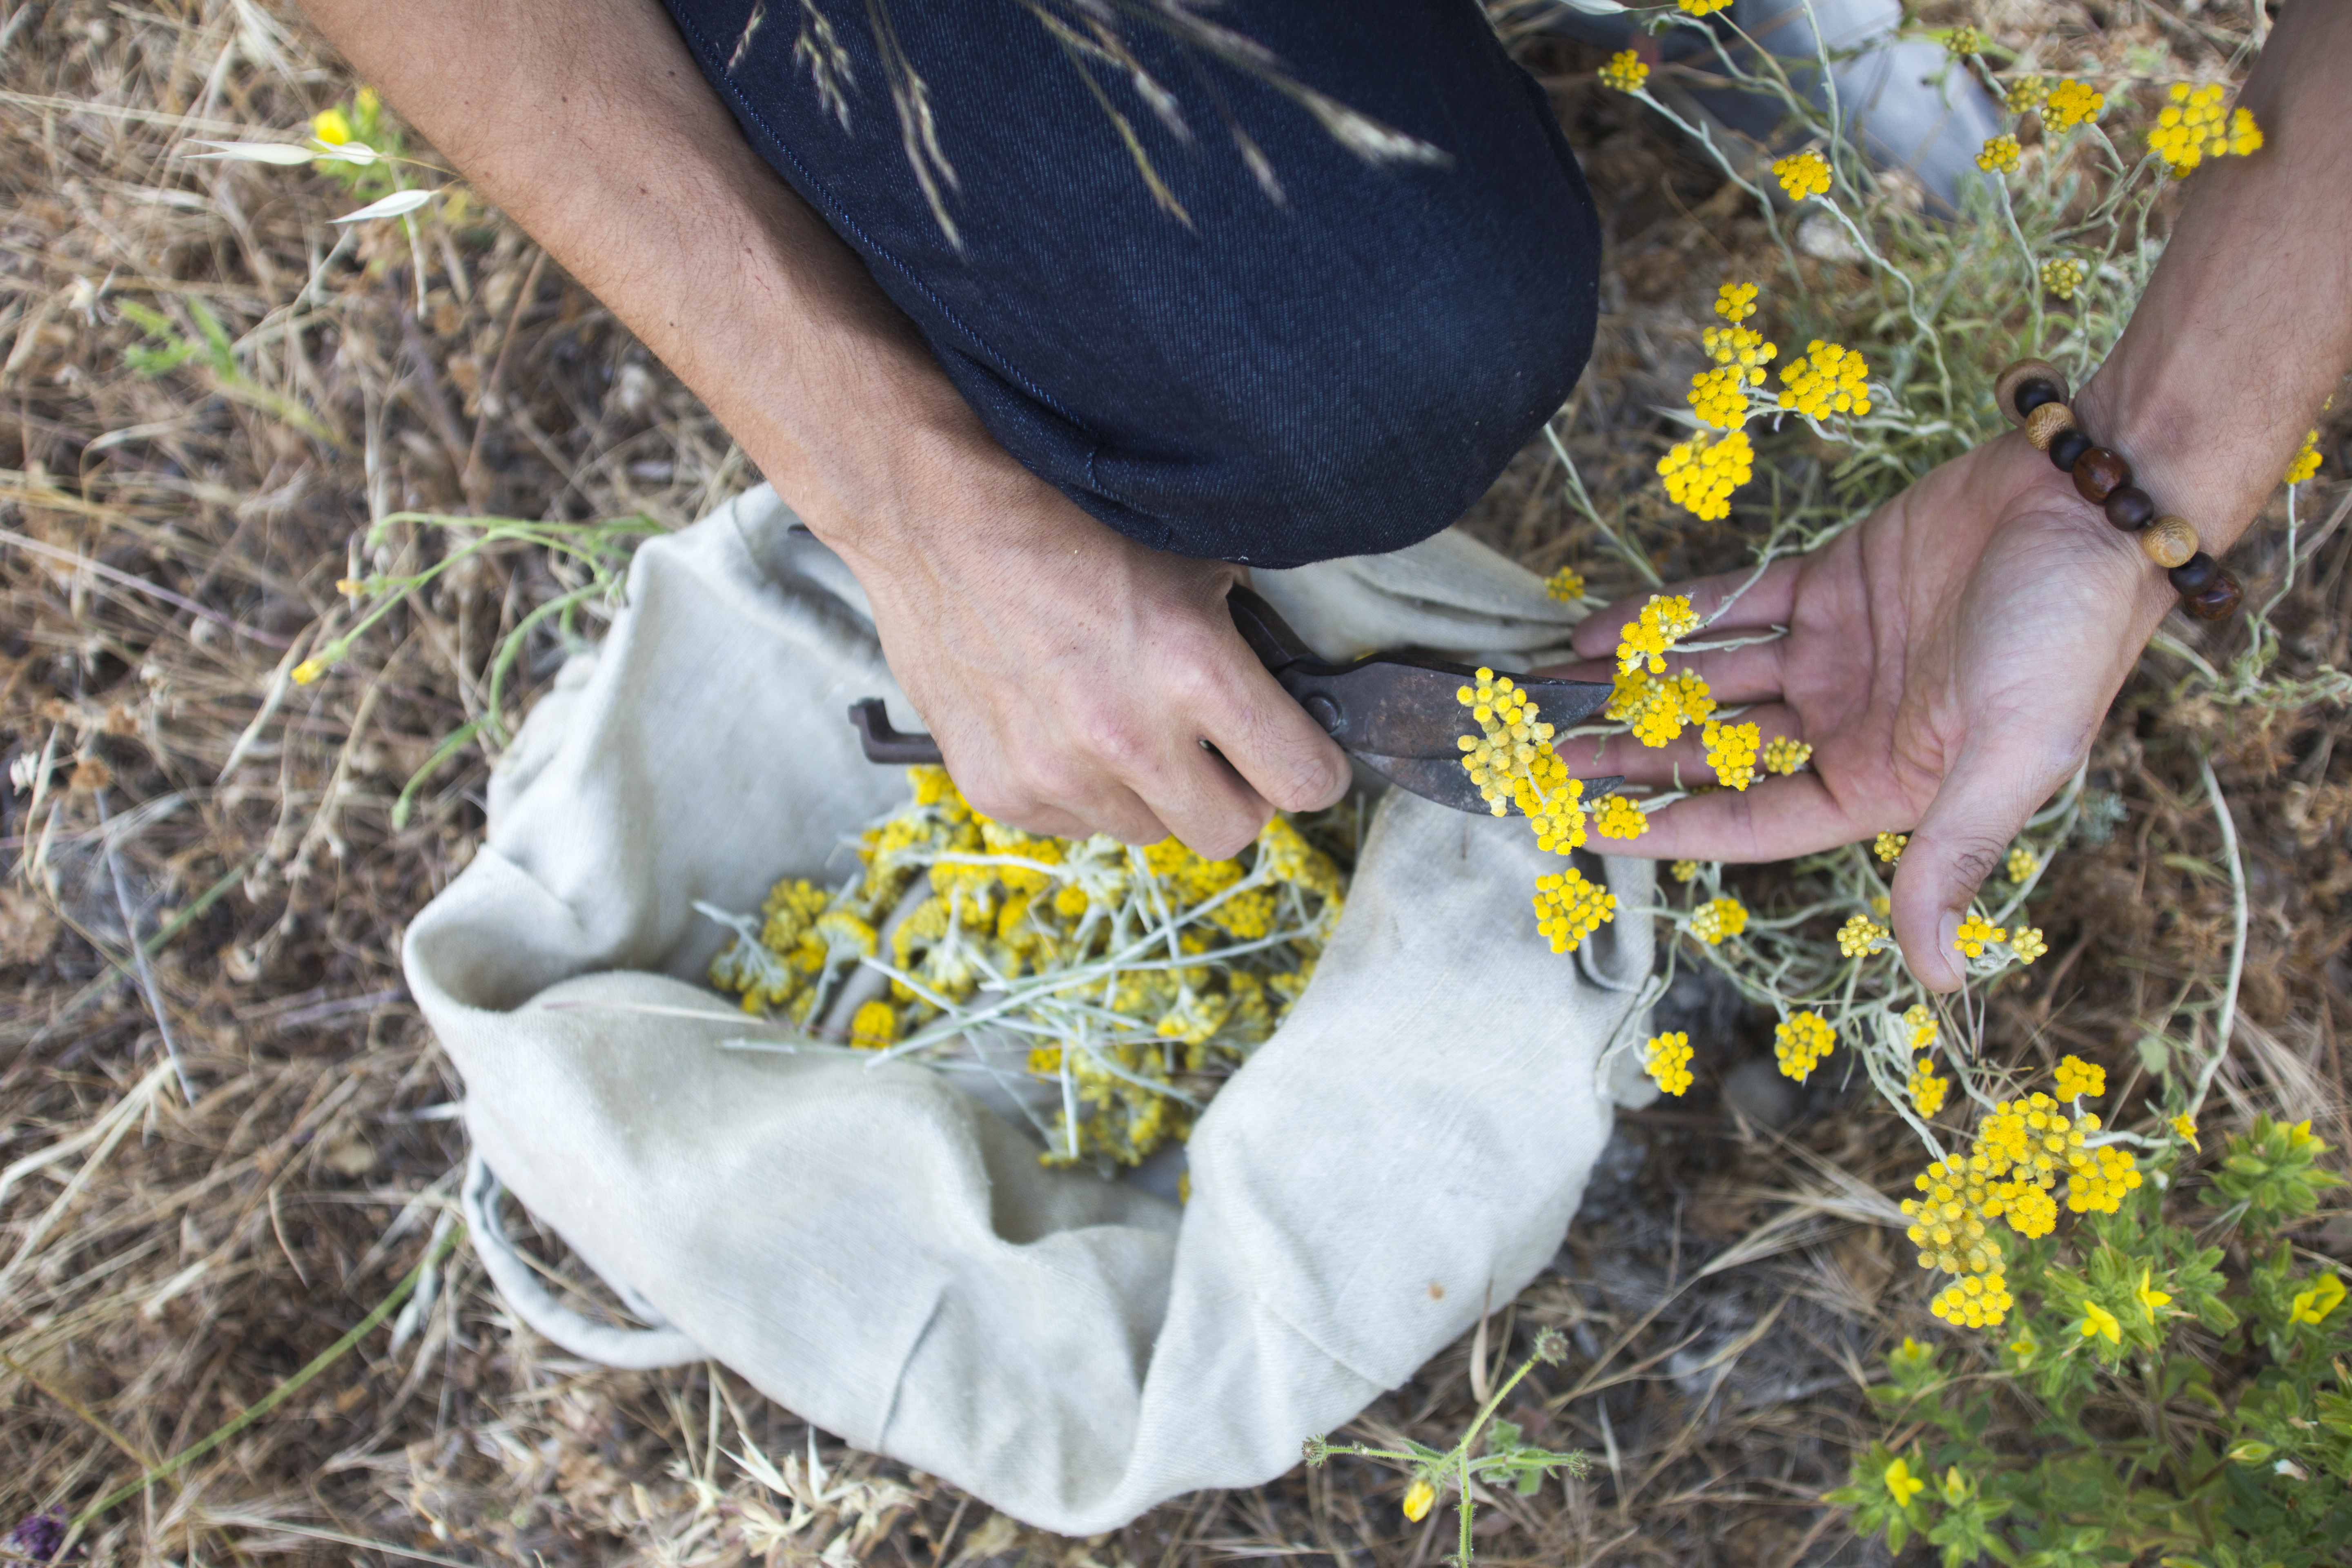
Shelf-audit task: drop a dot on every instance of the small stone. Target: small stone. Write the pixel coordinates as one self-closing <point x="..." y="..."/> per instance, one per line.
<point x="2099" y="473"/>
<point x="2047" y="422"/>
<point x="2168" y="541"/>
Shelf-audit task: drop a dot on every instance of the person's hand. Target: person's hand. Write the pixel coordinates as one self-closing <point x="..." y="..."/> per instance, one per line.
<point x="1950" y="661"/>
<point x="1071" y="676"/>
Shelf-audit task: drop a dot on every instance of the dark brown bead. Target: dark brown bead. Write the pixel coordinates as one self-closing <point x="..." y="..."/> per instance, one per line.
<point x="2130" y="509"/>
<point x="2067" y="447"/>
<point x="2033" y="395"/>
<point x="2100" y="473"/>
<point x="2193" y="575"/>
<point x="2218" y="601"/>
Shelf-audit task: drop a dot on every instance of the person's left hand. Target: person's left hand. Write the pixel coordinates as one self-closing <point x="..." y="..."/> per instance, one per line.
<point x="1950" y="661"/>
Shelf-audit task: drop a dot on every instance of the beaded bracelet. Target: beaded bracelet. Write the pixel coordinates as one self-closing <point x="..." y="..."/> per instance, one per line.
<point x="2032" y="395"/>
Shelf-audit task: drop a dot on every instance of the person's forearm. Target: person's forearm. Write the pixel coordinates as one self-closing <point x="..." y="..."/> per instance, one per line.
<point x="2247" y="324"/>
<point x="589" y="124"/>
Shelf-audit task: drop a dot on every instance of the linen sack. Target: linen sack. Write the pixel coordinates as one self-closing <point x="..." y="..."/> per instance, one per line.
<point x="867" y="1244"/>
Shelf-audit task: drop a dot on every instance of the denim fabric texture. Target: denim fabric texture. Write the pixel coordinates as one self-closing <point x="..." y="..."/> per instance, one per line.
<point x="1341" y="373"/>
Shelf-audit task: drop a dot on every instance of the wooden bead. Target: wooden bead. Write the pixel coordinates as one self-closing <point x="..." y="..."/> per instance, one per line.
<point x="2013" y="380"/>
<point x="2194" y="575"/>
<point x="2066" y="447"/>
<point x="2130" y="509"/>
<point x="2168" y="541"/>
<point x="2047" y="422"/>
<point x="2100" y="473"/>
<point x="2218" y="601"/>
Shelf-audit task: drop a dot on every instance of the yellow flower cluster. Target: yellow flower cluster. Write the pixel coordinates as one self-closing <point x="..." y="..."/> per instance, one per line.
<point x="1888" y="846"/>
<point x="1859" y="936"/>
<point x="2078" y="1077"/>
<point x="1801" y="1041"/>
<point x="1921" y="1021"/>
<point x="1927" y="1090"/>
<point x="1663" y="621"/>
<point x="2193" y="128"/>
<point x="1617" y="817"/>
<point x="1701" y="7"/>
<point x="2001" y="154"/>
<point x="1569" y="909"/>
<point x="2025" y="95"/>
<point x="1657" y="708"/>
<point x="1741" y="346"/>
<point x="1667" y="1059"/>
<point x="1977" y="933"/>
<point x="2185" y="1126"/>
<point x="1719" y="397"/>
<point x="1683" y="870"/>
<point x="1735" y="302"/>
<point x="1716" y="919"/>
<point x="1701" y="473"/>
<point x="2306" y="462"/>
<point x="1785" y="756"/>
<point x="1567" y="584"/>
<point x="1625" y="72"/>
<point x="2098" y="1186"/>
<point x="2071" y="103"/>
<point x="2021" y="865"/>
<point x="1829" y="379"/>
<point x="873" y="1025"/>
<point x="2027" y="944"/>
<point x="2062" y="275"/>
<point x="1731" y="752"/>
<point x="1964" y="41"/>
<point x="1802" y="175"/>
<point x="1513" y="763"/>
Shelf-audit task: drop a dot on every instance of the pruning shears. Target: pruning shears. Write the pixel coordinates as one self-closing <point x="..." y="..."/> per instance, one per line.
<point x="1394" y="712"/>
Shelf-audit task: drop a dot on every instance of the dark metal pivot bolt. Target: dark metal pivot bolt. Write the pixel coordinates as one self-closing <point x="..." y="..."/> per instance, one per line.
<point x="1323" y="710"/>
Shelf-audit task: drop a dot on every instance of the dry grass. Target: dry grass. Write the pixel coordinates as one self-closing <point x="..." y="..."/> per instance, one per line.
<point x="171" y="549"/>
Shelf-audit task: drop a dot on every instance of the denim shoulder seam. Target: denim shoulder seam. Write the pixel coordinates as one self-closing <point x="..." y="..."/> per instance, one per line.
<point x="703" y="47"/>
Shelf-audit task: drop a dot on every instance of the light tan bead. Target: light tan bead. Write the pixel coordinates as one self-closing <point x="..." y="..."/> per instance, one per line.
<point x="2045" y="423"/>
<point x="2005" y="387"/>
<point x="2168" y="541"/>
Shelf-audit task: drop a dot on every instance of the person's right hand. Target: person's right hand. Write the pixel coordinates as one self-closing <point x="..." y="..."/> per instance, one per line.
<point x="1070" y="675"/>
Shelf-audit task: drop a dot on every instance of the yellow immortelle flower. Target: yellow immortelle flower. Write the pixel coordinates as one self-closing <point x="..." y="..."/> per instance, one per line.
<point x="1567" y="584"/>
<point x="1784" y="755"/>
<point x="2098" y="1186"/>
<point x="2194" y="128"/>
<point x="1742" y="346"/>
<point x="1658" y="709"/>
<point x="1701" y="472"/>
<point x="1664" y="619"/>
<point x="1683" y="870"/>
<point x="1902" y="1485"/>
<point x="1921" y="1021"/>
<point x="1569" y="909"/>
<point x="1735" y="302"/>
<point x="1888" y="846"/>
<point x="1829" y="379"/>
<point x="1927" y="1090"/>
<point x="2306" y="462"/>
<point x="1801" y="1041"/>
<point x="2098" y="1319"/>
<point x="2023" y="864"/>
<point x="330" y="127"/>
<point x="1860" y="935"/>
<point x="2186" y="1127"/>
<point x="2079" y="1079"/>
<point x="2001" y="154"/>
<point x="2150" y="1298"/>
<point x="1625" y="72"/>
<point x="1975" y="932"/>
<point x="2024" y="95"/>
<point x="1667" y="1059"/>
<point x="1964" y="41"/>
<point x="1617" y="817"/>
<point x="875" y="1026"/>
<point x="1701" y="7"/>
<point x="1719" y="397"/>
<point x="1512" y="761"/>
<point x="1717" y="918"/>
<point x="2313" y="1306"/>
<point x="2063" y="276"/>
<point x="1418" y="1500"/>
<point x="2071" y="103"/>
<point x="2031" y="1212"/>
<point x="309" y="671"/>
<point x="1802" y="175"/>
<point x="1731" y="752"/>
<point x="2028" y="944"/>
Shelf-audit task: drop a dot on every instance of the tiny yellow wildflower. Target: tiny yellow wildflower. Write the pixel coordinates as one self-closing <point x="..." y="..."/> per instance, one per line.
<point x="350" y="588"/>
<point x="2071" y="103"/>
<point x="1731" y="752"/>
<point x="1928" y="1091"/>
<point x="1964" y="41"/>
<point x="1902" y="1485"/>
<point x="1701" y="472"/>
<point x="1666" y="619"/>
<point x="1956" y="1486"/>
<point x="2023" y="864"/>
<point x="2150" y="1298"/>
<point x="2306" y="462"/>
<point x="1717" y="918"/>
<point x="1802" y="175"/>
<point x="1829" y="379"/>
<point x="2024" y="95"/>
<point x="1888" y="846"/>
<point x="2080" y="1079"/>
<point x="1418" y="1500"/>
<point x="2031" y="1212"/>
<point x="1567" y="584"/>
<point x="1667" y="1059"/>
<point x="1799" y="1041"/>
<point x="1683" y="870"/>
<point x="2001" y="154"/>
<point x="2313" y="1306"/>
<point x="2099" y="1183"/>
<point x="1921" y="1021"/>
<point x="873" y="1025"/>
<point x="2062" y="275"/>
<point x="1975" y="933"/>
<point x="1625" y="72"/>
<point x="1860" y="935"/>
<point x="1784" y="755"/>
<point x="2185" y="1126"/>
<point x="1719" y="397"/>
<point x="1617" y="817"/>
<point x="2194" y="128"/>
<point x="330" y="127"/>
<point x="1701" y="7"/>
<point x="1569" y="909"/>
<point x="309" y="671"/>
<point x="1735" y="302"/>
<point x="1882" y="905"/>
<point x="2028" y="944"/>
<point x="2098" y="1319"/>
<point x="2023" y="1348"/>
<point x="1742" y="346"/>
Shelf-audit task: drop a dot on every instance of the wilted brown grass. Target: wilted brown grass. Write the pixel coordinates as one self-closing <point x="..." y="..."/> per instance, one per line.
<point x="169" y="550"/>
